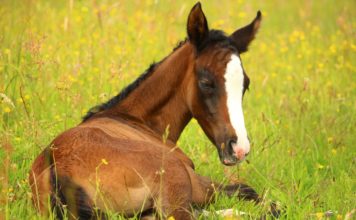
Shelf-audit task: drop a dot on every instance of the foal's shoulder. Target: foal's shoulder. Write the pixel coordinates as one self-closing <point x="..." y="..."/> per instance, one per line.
<point x="116" y="128"/>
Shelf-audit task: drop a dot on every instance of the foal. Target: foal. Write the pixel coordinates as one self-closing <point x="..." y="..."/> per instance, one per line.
<point x="116" y="158"/>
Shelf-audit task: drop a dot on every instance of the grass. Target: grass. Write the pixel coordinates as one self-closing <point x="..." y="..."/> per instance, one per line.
<point x="59" y="58"/>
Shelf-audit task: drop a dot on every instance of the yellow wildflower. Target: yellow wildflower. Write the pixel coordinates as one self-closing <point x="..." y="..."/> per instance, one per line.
<point x="241" y="15"/>
<point x="104" y="161"/>
<point x="319" y="215"/>
<point x="319" y="166"/>
<point x="353" y="47"/>
<point x="7" y="51"/>
<point x="334" y="151"/>
<point x="84" y="9"/>
<point x="330" y="139"/>
<point x="7" y="109"/>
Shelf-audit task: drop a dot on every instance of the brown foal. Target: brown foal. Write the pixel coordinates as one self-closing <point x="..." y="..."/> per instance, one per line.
<point x="116" y="159"/>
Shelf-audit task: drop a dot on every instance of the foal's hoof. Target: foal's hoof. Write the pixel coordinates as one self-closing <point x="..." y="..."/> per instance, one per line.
<point x="275" y="211"/>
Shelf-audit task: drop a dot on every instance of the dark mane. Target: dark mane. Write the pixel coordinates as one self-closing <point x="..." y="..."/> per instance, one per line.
<point x="215" y="36"/>
<point x="180" y="44"/>
<point x="127" y="90"/>
<point x="122" y="95"/>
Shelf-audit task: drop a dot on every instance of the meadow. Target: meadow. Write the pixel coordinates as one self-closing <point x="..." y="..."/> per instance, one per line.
<point x="59" y="58"/>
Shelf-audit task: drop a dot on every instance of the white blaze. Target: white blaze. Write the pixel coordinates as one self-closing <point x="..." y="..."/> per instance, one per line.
<point x="234" y="83"/>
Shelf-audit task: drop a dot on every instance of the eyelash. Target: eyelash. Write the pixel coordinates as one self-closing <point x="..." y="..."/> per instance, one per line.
<point x="206" y="86"/>
<point x="205" y="82"/>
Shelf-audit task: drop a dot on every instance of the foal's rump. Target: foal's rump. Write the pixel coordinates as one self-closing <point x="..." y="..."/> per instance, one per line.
<point x="88" y="168"/>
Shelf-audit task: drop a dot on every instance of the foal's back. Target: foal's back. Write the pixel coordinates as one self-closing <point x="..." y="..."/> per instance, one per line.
<point x="114" y="164"/>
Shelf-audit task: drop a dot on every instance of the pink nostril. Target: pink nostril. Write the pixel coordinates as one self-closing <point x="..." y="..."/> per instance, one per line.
<point x="240" y="154"/>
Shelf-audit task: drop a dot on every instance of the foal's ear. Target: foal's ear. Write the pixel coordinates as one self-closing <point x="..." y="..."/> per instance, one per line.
<point x="243" y="36"/>
<point x="197" y="26"/>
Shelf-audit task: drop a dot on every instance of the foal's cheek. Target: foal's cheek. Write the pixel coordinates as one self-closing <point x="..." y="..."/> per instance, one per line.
<point x="210" y="102"/>
<point x="211" y="107"/>
<point x="191" y="96"/>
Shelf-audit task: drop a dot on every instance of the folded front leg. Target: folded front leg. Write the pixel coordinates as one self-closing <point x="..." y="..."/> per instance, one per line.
<point x="204" y="190"/>
<point x="242" y="191"/>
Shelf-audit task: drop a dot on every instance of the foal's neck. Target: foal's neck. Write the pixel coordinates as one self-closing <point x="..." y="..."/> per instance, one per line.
<point x="159" y="102"/>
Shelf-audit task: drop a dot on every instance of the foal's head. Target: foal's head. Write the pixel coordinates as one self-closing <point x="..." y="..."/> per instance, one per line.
<point x="219" y="83"/>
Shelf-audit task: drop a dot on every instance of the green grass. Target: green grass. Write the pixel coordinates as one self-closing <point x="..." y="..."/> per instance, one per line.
<point x="59" y="58"/>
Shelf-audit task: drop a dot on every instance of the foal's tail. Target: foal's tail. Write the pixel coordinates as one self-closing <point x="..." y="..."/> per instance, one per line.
<point x="52" y="192"/>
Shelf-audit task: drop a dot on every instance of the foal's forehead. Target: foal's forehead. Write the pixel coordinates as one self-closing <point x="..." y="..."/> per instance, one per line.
<point x="215" y="59"/>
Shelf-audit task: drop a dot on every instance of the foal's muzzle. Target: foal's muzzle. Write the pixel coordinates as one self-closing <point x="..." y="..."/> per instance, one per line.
<point x="230" y="153"/>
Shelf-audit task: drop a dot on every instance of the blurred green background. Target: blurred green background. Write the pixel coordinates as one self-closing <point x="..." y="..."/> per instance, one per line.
<point x="59" y="58"/>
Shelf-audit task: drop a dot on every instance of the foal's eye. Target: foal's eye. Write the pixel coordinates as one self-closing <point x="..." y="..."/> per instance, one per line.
<point x="206" y="84"/>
